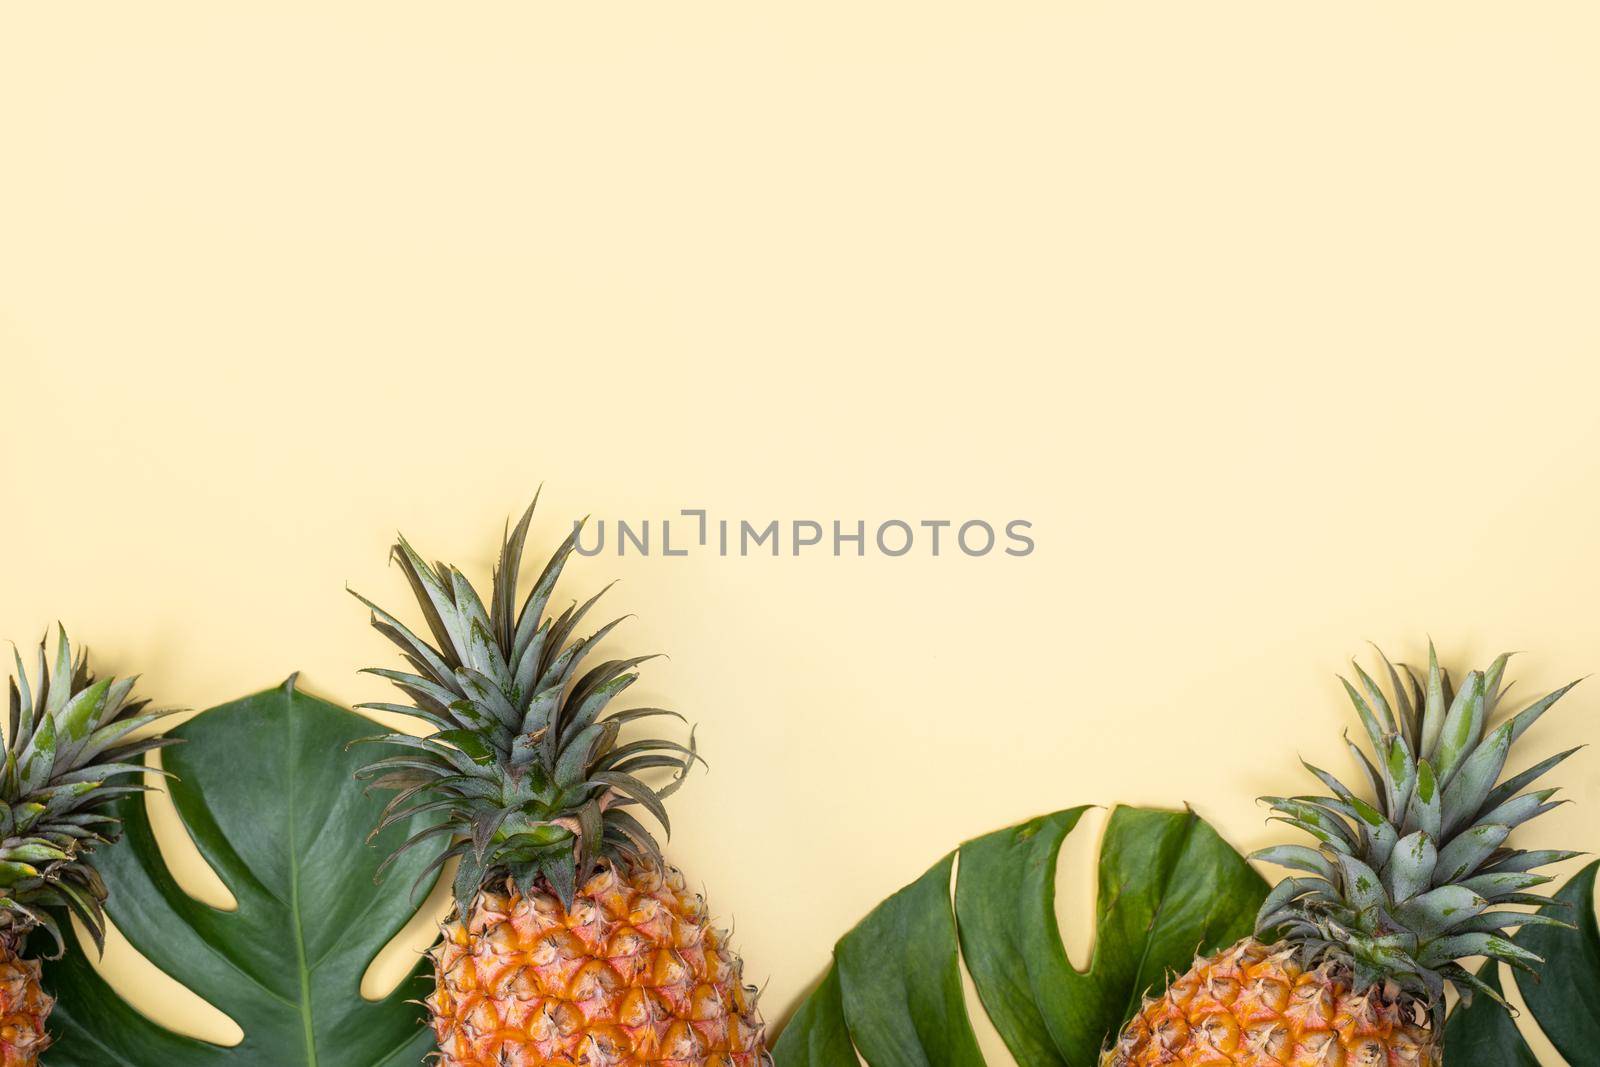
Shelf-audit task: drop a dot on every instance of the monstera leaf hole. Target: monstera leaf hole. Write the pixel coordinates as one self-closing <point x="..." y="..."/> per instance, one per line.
<point x="1076" y="900"/>
<point x="398" y="959"/>
<point x="160" y="996"/>
<point x="1077" y="896"/>
<point x="1077" y="886"/>
<point x="961" y="978"/>
<point x="1524" y="1022"/>
<point x="156" y="994"/>
<point x="266" y="796"/>
<point x="189" y="869"/>
<point x="1560" y="1010"/>
<point x="128" y="971"/>
<point x="924" y="981"/>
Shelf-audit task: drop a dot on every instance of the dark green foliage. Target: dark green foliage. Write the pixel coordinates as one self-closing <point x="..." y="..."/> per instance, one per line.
<point x="264" y="788"/>
<point x="1169" y="886"/>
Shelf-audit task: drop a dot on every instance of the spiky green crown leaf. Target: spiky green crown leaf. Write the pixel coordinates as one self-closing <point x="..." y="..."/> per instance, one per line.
<point x="1412" y="879"/>
<point x="525" y="763"/>
<point x="67" y="755"/>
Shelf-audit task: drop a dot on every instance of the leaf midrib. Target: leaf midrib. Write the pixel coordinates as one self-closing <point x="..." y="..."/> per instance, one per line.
<point x="237" y="944"/>
<point x="295" y="921"/>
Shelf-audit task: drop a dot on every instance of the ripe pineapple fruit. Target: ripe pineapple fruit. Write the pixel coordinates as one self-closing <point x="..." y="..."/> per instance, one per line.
<point x="66" y="738"/>
<point x="1352" y="957"/>
<point x="572" y="941"/>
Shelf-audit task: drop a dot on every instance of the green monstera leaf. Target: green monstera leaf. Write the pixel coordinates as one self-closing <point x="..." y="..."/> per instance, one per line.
<point x="1563" y="994"/>
<point x="1483" y="1034"/>
<point x="265" y="787"/>
<point x="1168" y="886"/>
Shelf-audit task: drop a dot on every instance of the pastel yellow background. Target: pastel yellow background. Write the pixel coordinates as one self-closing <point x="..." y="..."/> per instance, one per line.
<point x="1277" y="320"/>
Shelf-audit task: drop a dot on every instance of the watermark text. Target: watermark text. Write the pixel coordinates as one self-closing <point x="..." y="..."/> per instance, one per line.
<point x="694" y="531"/>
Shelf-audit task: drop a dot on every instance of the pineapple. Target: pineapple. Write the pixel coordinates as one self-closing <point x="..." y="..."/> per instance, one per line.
<point x="67" y="737"/>
<point x="1353" y="955"/>
<point x="571" y="940"/>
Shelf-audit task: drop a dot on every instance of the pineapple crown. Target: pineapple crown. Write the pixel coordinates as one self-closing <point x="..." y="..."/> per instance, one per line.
<point x="1401" y="888"/>
<point x="525" y="764"/>
<point x="67" y="741"/>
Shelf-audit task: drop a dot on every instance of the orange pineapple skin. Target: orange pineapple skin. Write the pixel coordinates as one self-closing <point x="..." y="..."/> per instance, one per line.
<point x="632" y="974"/>
<point x="1252" y="1004"/>
<point x="24" y="1007"/>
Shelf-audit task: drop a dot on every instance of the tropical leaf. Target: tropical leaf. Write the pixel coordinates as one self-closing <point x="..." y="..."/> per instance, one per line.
<point x="1483" y="1033"/>
<point x="1168" y="887"/>
<point x="817" y="1035"/>
<point x="266" y="791"/>
<point x="1565" y="995"/>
